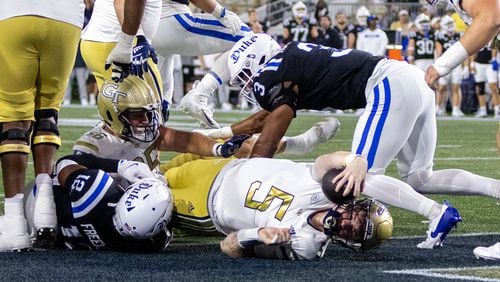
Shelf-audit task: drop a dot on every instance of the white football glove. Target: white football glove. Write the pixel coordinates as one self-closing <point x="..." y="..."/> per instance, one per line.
<point x="134" y="171"/>
<point x="120" y="58"/>
<point x="223" y="133"/>
<point x="227" y="18"/>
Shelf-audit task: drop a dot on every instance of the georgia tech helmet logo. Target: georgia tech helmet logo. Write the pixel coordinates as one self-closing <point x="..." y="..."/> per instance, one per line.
<point x="110" y="91"/>
<point x="243" y="46"/>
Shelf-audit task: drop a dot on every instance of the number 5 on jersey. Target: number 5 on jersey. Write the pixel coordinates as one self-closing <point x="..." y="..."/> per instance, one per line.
<point x="274" y="193"/>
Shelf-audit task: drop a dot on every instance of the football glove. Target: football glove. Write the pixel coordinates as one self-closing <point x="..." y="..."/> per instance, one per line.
<point x="134" y="171"/>
<point x="227" y="18"/>
<point x="140" y="55"/>
<point x="165" y="110"/>
<point x="120" y="58"/>
<point x="494" y="65"/>
<point x="230" y="147"/>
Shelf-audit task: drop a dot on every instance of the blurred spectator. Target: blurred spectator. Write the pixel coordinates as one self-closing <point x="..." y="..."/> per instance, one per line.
<point x="361" y="16"/>
<point x="327" y="35"/>
<point x="321" y="10"/>
<point x="373" y="39"/>
<point x="81" y="73"/>
<point x="485" y="70"/>
<point x="254" y="24"/>
<point x="342" y="27"/>
<point x="300" y="27"/>
<point x="403" y="24"/>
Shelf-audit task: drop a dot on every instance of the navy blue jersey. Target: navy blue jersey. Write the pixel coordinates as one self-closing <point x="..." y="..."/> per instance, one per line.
<point x="447" y="40"/>
<point x="185" y="2"/>
<point x="424" y="45"/>
<point x="483" y="56"/>
<point x="85" y="215"/>
<point x="299" y="32"/>
<point x="325" y="77"/>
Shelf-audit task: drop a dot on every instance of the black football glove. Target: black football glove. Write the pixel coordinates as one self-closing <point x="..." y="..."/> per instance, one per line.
<point x="231" y="146"/>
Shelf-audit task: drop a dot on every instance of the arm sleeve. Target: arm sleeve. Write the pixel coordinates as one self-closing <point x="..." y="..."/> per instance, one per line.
<point x="93" y="162"/>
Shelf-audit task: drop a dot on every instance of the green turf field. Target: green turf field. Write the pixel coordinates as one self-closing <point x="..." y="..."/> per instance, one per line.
<point x="467" y="144"/>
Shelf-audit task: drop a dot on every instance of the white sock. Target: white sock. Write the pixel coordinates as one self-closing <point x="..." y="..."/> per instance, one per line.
<point x="396" y="193"/>
<point x="14" y="206"/>
<point x="216" y="76"/>
<point x="295" y="145"/>
<point x="43" y="183"/>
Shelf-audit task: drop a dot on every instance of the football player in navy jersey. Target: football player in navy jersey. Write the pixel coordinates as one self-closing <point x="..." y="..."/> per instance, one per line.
<point x="94" y="212"/>
<point x="362" y="15"/>
<point x="300" y="28"/>
<point x="444" y="40"/>
<point x="398" y="121"/>
<point x="421" y="45"/>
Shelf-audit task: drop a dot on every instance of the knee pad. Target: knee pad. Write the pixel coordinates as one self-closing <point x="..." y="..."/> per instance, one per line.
<point x="15" y="134"/>
<point x="46" y="120"/>
<point x="419" y="179"/>
<point x="481" y="86"/>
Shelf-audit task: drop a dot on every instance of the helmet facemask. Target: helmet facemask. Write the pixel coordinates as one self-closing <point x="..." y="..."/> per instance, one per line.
<point x="357" y="224"/>
<point x="244" y="79"/>
<point x="146" y="132"/>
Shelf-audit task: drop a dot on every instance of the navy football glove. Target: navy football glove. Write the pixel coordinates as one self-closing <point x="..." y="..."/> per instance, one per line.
<point x="140" y="55"/>
<point x="231" y="146"/>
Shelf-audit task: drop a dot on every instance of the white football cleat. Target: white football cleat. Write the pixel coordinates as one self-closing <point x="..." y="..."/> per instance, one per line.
<point x="45" y="218"/>
<point x="14" y="236"/>
<point x="489" y="253"/>
<point x="440" y="226"/>
<point x="195" y="103"/>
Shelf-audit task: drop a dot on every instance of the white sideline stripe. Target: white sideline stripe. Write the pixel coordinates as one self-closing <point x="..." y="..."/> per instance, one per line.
<point x="433" y="272"/>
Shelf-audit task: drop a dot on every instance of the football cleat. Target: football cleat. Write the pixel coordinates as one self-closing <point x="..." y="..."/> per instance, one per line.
<point x="488" y="253"/>
<point x="195" y="103"/>
<point x="14" y="237"/>
<point x="440" y="226"/>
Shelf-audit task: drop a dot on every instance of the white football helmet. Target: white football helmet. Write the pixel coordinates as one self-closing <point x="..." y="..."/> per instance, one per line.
<point x="299" y="10"/>
<point x="362" y="15"/>
<point x="423" y="22"/>
<point x="447" y="25"/>
<point x="246" y="57"/>
<point x="144" y="209"/>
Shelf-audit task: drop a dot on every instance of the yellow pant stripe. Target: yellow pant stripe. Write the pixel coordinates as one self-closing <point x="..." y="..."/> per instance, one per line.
<point x="14" y="148"/>
<point x="43" y="139"/>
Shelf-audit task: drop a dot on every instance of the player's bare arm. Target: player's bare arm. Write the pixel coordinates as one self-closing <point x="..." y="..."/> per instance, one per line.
<point x="119" y="10"/>
<point x="241" y="243"/>
<point x="276" y="125"/>
<point x="181" y="141"/>
<point x="485" y="24"/>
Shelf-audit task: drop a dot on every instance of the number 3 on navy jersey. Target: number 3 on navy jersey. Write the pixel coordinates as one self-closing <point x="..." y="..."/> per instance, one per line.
<point x="336" y="53"/>
<point x="259" y="89"/>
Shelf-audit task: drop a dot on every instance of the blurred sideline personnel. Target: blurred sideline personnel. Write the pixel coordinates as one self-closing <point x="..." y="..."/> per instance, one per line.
<point x="131" y="128"/>
<point x="103" y="33"/>
<point x="362" y="15"/>
<point x="373" y="39"/>
<point x="421" y="46"/>
<point x="193" y="34"/>
<point x="444" y="40"/>
<point x="397" y="102"/>
<point x="492" y="252"/>
<point x="33" y="78"/>
<point x="483" y="18"/>
<point x="274" y="208"/>
<point x="300" y="27"/>
<point x="94" y="212"/>
<point x="120" y="57"/>
<point x="485" y="69"/>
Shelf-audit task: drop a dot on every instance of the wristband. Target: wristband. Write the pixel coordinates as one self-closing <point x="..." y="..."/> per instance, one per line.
<point x="216" y="150"/>
<point x="125" y="40"/>
<point x="453" y="57"/>
<point x="350" y="158"/>
<point x="248" y="238"/>
<point x="219" y="11"/>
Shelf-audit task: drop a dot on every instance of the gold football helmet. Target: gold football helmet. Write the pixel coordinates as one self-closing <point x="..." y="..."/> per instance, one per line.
<point x="360" y="224"/>
<point x="117" y="101"/>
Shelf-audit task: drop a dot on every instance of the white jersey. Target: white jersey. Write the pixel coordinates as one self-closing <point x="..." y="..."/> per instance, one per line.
<point x="170" y="8"/>
<point x="372" y="41"/>
<point x="103" y="144"/>
<point x="68" y="11"/>
<point x="283" y="195"/>
<point x="105" y="27"/>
